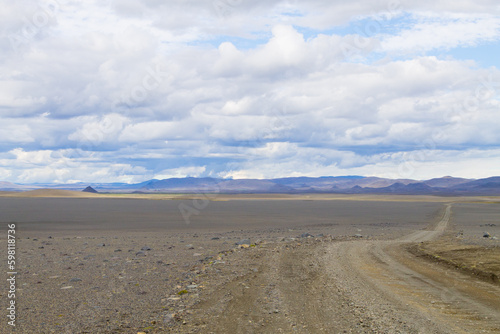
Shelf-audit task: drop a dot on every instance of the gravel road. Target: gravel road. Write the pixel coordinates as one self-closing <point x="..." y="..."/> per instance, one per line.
<point x="353" y="286"/>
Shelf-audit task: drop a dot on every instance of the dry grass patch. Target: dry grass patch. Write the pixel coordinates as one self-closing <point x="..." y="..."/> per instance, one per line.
<point x="480" y="261"/>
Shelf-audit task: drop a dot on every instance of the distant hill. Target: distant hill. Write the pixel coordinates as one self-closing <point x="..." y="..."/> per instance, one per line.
<point x="89" y="189"/>
<point x="488" y="186"/>
<point x="53" y="193"/>
<point x="292" y="185"/>
<point x="446" y="182"/>
<point x="7" y="186"/>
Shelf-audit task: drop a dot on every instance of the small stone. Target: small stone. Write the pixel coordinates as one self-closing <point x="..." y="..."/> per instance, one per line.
<point x="140" y="253"/>
<point x="169" y="318"/>
<point x="66" y="287"/>
<point x="358" y="236"/>
<point x="101" y="245"/>
<point x="306" y="235"/>
<point x="192" y="286"/>
<point x="215" y="238"/>
<point x="197" y="254"/>
<point x="76" y="279"/>
<point x="117" y="250"/>
<point x="189" y="246"/>
<point x="173" y="298"/>
<point x="146" y="248"/>
<point x="486" y="235"/>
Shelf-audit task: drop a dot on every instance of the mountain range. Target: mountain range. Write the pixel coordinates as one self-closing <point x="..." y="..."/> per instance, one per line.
<point x="328" y="184"/>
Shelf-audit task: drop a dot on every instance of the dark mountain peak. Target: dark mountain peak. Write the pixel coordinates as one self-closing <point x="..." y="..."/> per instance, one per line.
<point x="397" y="185"/>
<point x="89" y="189"/>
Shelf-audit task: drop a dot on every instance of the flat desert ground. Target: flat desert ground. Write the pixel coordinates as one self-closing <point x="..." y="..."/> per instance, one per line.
<point x="252" y="263"/>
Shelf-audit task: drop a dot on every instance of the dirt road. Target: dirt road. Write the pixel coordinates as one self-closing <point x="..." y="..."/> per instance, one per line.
<point x="356" y="286"/>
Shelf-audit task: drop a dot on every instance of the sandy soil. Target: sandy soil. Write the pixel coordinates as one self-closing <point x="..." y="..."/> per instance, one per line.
<point x="356" y="275"/>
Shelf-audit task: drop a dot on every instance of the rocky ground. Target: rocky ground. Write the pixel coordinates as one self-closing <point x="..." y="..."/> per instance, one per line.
<point x="312" y="279"/>
<point x="128" y="283"/>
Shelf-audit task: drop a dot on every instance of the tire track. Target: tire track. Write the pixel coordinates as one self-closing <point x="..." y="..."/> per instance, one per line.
<point x="449" y="301"/>
<point x="357" y="286"/>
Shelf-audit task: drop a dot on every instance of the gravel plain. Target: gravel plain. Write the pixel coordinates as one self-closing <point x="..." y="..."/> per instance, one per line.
<point x="132" y="266"/>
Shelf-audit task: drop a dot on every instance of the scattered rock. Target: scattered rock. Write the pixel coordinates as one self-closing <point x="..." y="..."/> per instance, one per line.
<point x="189" y="246"/>
<point x="117" y="250"/>
<point x="192" y="287"/>
<point x="358" y="236"/>
<point x="66" y="287"/>
<point x="486" y="235"/>
<point x="306" y="235"/>
<point x="215" y="238"/>
<point x="243" y="242"/>
<point x="146" y="248"/>
<point x="76" y="279"/>
<point x="101" y="245"/>
<point x="140" y="253"/>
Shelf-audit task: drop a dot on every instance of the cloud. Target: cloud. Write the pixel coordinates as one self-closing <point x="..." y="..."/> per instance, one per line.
<point x="180" y="172"/>
<point x="66" y="166"/>
<point x="97" y="132"/>
<point x="432" y="31"/>
<point x="131" y="89"/>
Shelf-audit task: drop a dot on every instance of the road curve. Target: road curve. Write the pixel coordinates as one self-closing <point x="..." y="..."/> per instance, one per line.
<point x="431" y="298"/>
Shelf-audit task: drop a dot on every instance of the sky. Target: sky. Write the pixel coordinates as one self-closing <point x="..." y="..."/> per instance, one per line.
<point x="130" y="90"/>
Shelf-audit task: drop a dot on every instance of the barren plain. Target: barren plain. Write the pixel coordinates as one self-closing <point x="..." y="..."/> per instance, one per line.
<point x="254" y="263"/>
